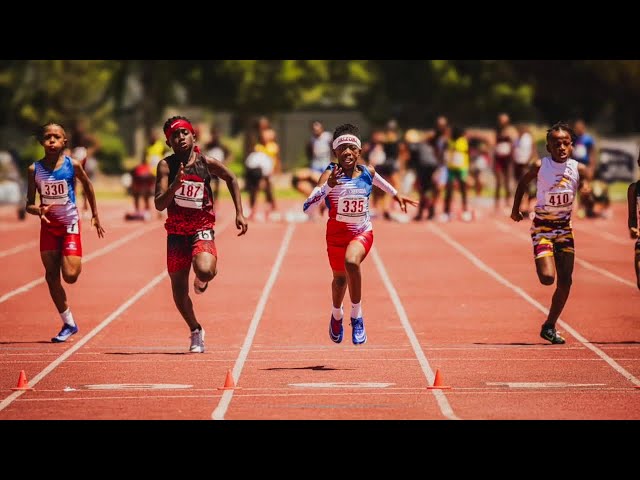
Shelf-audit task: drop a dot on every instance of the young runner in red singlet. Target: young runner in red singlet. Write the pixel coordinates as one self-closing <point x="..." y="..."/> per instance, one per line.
<point x="183" y="187"/>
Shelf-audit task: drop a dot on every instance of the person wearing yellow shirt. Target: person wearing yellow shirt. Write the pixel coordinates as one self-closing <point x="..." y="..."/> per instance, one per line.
<point x="154" y="151"/>
<point x="268" y="145"/>
<point x="457" y="171"/>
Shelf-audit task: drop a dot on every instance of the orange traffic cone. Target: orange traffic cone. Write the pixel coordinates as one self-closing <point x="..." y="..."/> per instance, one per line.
<point x="229" y="384"/>
<point x="22" y="382"/>
<point x="437" y="382"/>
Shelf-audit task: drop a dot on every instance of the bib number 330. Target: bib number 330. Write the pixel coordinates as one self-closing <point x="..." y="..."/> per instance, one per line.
<point x="55" y="192"/>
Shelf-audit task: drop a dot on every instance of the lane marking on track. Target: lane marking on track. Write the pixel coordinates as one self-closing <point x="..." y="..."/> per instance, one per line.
<point x="583" y="263"/>
<point x="12" y="227"/>
<point x="115" y="314"/>
<point x="606" y="235"/>
<point x="343" y="385"/>
<point x="219" y="412"/>
<point x="98" y="253"/>
<point x="134" y="386"/>
<point x="485" y="268"/>
<point x="441" y="398"/>
<point x="19" y="248"/>
<point x="542" y="384"/>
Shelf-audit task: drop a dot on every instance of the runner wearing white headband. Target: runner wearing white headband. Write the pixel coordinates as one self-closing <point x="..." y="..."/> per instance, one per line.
<point x="345" y="188"/>
<point x="347" y="139"/>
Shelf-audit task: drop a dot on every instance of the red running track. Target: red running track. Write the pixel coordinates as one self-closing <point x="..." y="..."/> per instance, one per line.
<point x="458" y="298"/>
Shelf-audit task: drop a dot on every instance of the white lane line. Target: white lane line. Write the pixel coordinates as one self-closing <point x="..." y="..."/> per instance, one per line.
<point x="115" y="314"/>
<point x="441" y="398"/>
<point x="19" y="248"/>
<point x="606" y="235"/>
<point x="67" y="353"/>
<point x="485" y="268"/>
<point x="112" y="246"/>
<point x="219" y="412"/>
<point x="583" y="263"/>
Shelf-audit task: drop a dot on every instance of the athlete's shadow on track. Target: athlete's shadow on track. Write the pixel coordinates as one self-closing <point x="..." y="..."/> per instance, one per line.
<point x="148" y="353"/>
<point x="512" y="343"/>
<point x="315" y="367"/>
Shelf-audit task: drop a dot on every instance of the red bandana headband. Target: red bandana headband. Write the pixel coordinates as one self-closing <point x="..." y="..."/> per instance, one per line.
<point x="180" y="123"/>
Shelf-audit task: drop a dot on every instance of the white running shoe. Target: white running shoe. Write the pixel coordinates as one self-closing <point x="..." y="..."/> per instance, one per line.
<point x="197" y="341"/>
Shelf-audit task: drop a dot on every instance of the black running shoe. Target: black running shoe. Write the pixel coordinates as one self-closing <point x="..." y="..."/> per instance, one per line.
<point x="551" y="335"/>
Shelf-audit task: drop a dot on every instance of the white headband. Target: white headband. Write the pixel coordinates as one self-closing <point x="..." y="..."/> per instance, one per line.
<point x="342" y="139"/>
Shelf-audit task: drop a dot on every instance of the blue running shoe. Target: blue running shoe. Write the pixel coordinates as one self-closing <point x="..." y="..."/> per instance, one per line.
<point x="358" y="334"/>
<point x="65" y="333"/>
<point x="335" y="330"/>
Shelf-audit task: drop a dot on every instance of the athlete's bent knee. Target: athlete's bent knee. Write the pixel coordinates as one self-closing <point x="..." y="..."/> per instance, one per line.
<point x="546" y="279"/>
<point x="70" y="278"/>
<point x="351" y="263"/>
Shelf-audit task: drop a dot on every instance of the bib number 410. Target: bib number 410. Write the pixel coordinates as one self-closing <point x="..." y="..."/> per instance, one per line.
<point x="559" y="199"/>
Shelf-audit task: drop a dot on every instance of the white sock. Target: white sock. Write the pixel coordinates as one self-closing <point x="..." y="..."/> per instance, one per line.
<point x="337" y="313"/>
<point x="67" y="317"/>
<point x="356" y="310"/>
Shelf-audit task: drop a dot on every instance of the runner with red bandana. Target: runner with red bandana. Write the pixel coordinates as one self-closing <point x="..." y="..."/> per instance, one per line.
<point x="183" y="187"/>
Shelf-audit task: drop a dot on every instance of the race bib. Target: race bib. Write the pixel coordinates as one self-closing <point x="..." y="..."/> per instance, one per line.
<point x="73" y="229"/>
<point x="204" y="235"/>
<point x="351" y="209"/>
<point x="54" y="192"/>
<point x="559" y="199"/>
<point x="190" y="195"/>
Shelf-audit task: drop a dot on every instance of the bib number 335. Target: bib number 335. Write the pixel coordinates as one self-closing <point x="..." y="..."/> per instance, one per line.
<point x="351" y="209"/>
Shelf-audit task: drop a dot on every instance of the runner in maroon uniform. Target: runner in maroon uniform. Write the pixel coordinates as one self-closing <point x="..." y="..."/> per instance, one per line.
<point x="183" y="188"/>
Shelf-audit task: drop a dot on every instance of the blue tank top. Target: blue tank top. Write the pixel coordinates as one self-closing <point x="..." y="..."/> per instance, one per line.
<point x="56" y="187"/>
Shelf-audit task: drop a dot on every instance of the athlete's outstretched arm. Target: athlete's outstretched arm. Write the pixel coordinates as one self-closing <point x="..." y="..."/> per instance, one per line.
<point x="318" y="194"/>
<point x="385" y="186"/>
